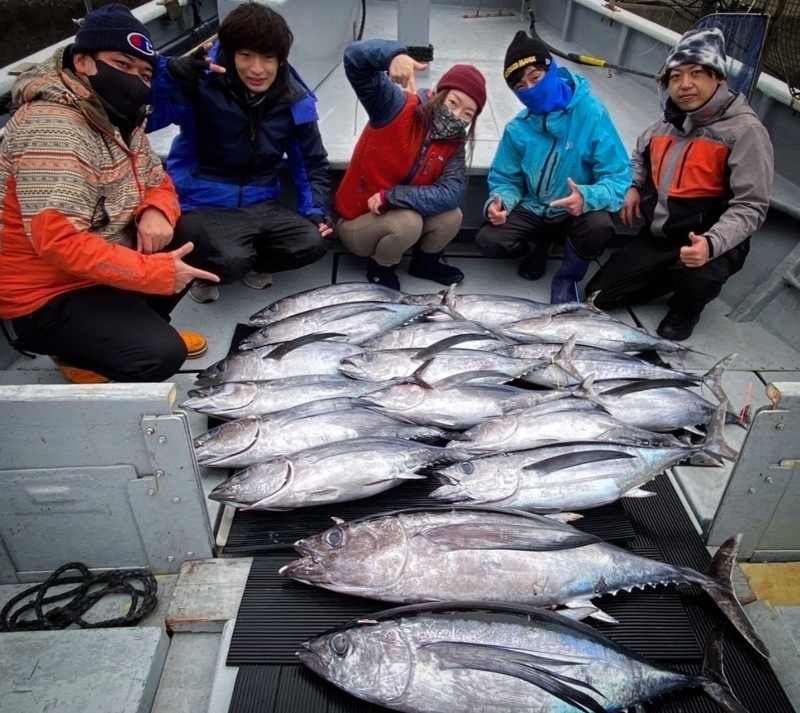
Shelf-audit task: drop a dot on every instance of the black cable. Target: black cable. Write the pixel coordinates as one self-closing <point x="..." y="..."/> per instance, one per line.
<point x="138" y="584"/>
<point x="363" y="19"/>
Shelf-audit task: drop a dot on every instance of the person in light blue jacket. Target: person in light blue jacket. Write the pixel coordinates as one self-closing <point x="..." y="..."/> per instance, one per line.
<point x="559" y="171"/>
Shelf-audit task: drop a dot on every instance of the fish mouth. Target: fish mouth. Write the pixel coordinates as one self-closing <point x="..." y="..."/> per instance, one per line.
<point x="305" y="569"/>
<point x="309" y="658"/>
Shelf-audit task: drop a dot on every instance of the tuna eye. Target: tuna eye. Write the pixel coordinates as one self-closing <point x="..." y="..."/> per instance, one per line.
<point x="334" y="537"/>
<point x="339" y="644"/>
<point x="467" y="468"/>
<point x="273" y="307"/>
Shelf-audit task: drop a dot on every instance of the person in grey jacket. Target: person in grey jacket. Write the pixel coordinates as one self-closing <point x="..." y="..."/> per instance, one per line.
<point x="702" y="175"/>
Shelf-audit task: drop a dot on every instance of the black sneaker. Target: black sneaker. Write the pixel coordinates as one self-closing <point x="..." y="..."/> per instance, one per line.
<point x="533" y="266"/>
<point x="677" y="327"/>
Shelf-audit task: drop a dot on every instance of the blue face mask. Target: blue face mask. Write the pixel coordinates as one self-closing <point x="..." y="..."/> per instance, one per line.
<point x="550" y="94"/>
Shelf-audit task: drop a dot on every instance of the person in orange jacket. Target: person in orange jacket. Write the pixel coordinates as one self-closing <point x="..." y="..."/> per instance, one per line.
<point x="91" y="263"/>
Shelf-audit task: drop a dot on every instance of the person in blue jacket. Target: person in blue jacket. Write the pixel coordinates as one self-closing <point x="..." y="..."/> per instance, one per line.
<point x="243" y="111"/>
<point x="559" y="171"/>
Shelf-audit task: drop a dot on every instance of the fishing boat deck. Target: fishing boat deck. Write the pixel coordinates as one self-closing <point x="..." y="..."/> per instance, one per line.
<point x="765" y="353"/>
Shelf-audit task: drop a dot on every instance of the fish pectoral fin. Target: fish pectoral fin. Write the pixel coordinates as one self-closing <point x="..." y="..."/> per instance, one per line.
<point x="476" y="536"/>
<point x="637" y="493"/>
<point x="571" y="460"/>
<point x="583" y="609"/>
<point x="533" y="668"/>
<point x="323" y="495"/>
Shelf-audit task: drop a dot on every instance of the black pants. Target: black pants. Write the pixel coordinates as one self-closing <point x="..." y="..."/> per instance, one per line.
<point x="122" y="335"/>
<point x="266" y="237"/>
<point x="523" y="231"/>
<point x="649" y="267"/>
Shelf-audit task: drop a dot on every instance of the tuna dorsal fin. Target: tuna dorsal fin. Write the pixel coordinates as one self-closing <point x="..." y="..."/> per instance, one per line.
<point x="529" y="667"/>
<point x="570" y="460"/>
<point x="283" y="349"/>
<point x="477" y="536"/>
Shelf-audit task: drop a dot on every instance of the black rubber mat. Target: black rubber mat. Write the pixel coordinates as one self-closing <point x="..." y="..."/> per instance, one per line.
<point x="256" y="533"/>
<point x="667" y="625"/>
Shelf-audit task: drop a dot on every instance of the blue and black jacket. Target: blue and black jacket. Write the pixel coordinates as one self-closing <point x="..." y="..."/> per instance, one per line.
<point x="228" y="153"/>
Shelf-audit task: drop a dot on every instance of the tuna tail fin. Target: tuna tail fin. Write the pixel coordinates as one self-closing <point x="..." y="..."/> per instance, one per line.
<point x="715" y="684"/>
<point x="715" y="443"/>
<point x="713" y="378"/>
<point x="719" y="586"/>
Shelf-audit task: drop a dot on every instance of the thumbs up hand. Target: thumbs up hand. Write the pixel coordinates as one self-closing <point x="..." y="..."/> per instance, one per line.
<point x="573" y="203"/>
<point x="696" y="254"/>
<point x="495" y="212"/>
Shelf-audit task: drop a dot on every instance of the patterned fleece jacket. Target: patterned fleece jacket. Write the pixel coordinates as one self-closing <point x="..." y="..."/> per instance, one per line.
<point x="70" y="192"/>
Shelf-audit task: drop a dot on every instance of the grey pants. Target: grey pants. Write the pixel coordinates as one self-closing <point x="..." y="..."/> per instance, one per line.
<point x="386" y="237"/>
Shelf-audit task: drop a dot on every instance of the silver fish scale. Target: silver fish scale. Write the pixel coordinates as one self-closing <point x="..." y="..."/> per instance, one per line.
<point x="494" y="310"/>
<point x="422" y="666"/>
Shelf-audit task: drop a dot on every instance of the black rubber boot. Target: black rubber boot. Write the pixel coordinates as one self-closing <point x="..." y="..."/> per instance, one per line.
<point x="431" y="266"/>
<point x="564" y="287"/>
<point x="382" y="274"/>
<point x="676" y="326"/>
<point x="534" y="264"/>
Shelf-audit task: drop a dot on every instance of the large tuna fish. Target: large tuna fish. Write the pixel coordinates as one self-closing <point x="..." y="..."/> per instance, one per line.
<point x="494" y="310"/>
<point x="479" y="658"/>
<point x="247" y="441"/>
<point x="589" y="329"/>
<point x="333" y="473"/>
<point x="235" y="399"/>
<point x="554" y="422"/>
<point x="419" y="335"/>
<point x="571" y="476"/>
<point x="459" y="554"/>
<point x="355" y="321"/>
<point x="323" y="297"/>
<point x="455" y="405"/>
<point x="312" y="354"/>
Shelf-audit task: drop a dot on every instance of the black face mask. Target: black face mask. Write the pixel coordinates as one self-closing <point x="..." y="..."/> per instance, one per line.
<point x="124" y="93"/>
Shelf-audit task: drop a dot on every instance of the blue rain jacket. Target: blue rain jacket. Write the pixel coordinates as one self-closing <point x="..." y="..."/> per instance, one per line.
<point x="538" y="152"/>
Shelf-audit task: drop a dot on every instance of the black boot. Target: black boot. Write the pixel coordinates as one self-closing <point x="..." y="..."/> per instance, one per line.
<point x="534" y="264"/>
<point x="564" y="287"/>
<point x="385" y="275"/>
<point x="676" y="326"/>
<point x="431" y="266"/>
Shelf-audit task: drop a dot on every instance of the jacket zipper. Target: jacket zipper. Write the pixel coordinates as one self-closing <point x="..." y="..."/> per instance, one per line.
<point x="683" y="165"/>
<point x="546" y="161"/>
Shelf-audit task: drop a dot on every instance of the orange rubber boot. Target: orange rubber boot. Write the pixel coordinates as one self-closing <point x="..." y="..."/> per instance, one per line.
<point x="196" y="344"/>
<point x="79" y="376"/>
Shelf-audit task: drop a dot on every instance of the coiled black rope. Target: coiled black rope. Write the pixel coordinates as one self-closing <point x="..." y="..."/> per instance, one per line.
<point x="138" y="584"/>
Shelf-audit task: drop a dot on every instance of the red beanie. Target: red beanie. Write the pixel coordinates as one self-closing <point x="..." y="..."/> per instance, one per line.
<point x="467" y="79"/>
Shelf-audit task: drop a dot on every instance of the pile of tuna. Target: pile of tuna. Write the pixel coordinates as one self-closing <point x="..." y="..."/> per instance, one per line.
<point x="506" y="405"/>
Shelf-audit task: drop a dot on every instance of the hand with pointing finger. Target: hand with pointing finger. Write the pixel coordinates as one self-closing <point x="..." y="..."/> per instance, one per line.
<point x="184" y="273"/>
<point x="401" y="71"/>
<point x="696" y="254"/>
<point x="495" y="212"/>
<point x="191" y="68"/>
<point x="573" y="203"/>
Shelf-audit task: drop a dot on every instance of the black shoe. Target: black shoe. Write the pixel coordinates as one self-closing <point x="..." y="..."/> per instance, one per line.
<point x="677" y="327"/>
<point x="385" y="275"/>
<point x="534" y="265"/>
<point x="432" y="266"/>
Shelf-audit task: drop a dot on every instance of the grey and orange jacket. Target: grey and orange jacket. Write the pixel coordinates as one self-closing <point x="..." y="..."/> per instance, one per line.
<point x="70" y="192"/>
<point x="711" y="177"/>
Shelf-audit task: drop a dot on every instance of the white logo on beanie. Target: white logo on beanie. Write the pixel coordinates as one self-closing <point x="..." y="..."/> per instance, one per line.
<point x="141" y="44"/>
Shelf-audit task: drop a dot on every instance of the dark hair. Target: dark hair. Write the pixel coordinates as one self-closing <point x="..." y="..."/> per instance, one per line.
<point x="257" y="28"/>
<point x="429" y="109"/>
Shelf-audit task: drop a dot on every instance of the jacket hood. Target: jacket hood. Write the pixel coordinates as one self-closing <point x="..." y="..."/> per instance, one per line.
<point x="50" y="81"/>
<point x="580" y="87"/>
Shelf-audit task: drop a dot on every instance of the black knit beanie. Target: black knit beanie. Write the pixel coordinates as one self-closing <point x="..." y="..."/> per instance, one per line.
<point x="113" y="27"/>
<point x="525" y="50"/>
